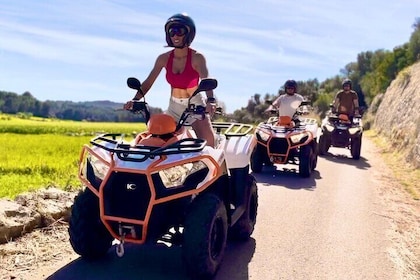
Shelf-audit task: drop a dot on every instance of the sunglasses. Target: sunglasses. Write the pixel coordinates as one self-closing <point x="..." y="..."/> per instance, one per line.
<point x="177" y="30"/>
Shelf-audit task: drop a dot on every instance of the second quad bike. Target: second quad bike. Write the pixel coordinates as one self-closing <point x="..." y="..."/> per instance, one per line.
<point x="286" y="140"/>
<point x="167" y="186"/>
<point x="339" y="130"/>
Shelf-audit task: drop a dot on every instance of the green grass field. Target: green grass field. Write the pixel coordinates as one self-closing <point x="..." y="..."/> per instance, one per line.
<point x="37" y="153"/>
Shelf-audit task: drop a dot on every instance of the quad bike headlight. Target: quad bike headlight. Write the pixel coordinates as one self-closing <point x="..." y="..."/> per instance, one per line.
<point x="98" y="168"/>
<point x="264" y="136"/>
<point x="329" y="128"/>
<point x="354" y="130"/>
<point x="299" y="138"/>
<point x="357" y="120"/>
<point x="175" y="176"/>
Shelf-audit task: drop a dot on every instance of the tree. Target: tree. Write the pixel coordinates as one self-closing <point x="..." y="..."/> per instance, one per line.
<point x="11" y="104"/>
<point x="364" y="62"/>
<point x="401" y="57"/>
<point x="414" y="43"/>
<point x="251" y="106"/>
<point x="257" y="98"/>
<point x="322" y="104"/>
<point x="309" y="89"/>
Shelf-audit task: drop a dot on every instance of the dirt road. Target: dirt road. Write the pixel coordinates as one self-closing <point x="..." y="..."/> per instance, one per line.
<point x="350" y="220"/>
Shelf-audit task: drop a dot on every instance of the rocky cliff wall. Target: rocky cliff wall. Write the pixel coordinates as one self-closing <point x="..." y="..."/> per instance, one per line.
<point x="398" y="114"/>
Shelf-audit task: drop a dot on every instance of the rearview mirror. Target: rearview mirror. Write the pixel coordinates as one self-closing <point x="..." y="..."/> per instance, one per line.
<point x="207" y="84"/>
<point x="133" y="83"/>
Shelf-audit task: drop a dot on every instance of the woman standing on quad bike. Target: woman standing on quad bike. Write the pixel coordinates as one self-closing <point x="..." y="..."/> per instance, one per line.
<point x="289" y="102"/>
<point x="184" y="68"/>
<point x="346" y="100"/>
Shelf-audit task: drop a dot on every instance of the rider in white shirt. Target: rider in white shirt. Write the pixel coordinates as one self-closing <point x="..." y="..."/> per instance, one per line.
<point x="289" y="102"/>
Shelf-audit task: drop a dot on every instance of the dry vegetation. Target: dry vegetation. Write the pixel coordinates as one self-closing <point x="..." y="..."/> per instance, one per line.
<point x="39" y="248"/>
<point x="405" y="173"/>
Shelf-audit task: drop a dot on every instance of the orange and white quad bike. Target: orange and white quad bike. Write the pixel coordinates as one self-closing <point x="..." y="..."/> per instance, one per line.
<point x="167" y="186"/>
<point x="286" y="140"/>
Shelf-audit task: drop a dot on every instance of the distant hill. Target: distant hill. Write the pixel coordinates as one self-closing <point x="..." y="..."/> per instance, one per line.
<point x="100" y="111"/>
<point x="103" y="103"/>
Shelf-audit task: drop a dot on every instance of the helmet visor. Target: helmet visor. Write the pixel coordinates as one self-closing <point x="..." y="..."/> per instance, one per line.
<point x="177" y="30"/>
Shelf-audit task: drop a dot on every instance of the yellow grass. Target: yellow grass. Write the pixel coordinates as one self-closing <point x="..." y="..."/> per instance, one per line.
<point x="406" y="174"/>
<point x="37" y="153"/>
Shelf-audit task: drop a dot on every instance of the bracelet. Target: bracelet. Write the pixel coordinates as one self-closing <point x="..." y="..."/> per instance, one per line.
<point x="211" y="100"/>
<point x="142" y="95"/>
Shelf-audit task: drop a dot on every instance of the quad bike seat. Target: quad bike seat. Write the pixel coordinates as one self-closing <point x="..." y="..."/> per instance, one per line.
<point x="161" y="131"/>
<point x="158" y="140"/>
<point x="344" y="118"/>
<point x="285" y="121"/>
<point x="339" y="117"/>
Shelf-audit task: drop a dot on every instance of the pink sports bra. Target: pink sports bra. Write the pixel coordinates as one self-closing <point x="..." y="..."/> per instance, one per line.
<point x="187" y="79"/>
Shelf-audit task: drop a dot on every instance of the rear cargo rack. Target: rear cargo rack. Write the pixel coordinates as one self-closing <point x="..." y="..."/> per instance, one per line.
<point x="230" y="129"/>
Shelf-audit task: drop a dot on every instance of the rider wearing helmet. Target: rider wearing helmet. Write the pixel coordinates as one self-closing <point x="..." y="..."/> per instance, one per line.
<point x="184" y="68"/>
<point x="346" y="100"/>
<point x="289" y="102"/>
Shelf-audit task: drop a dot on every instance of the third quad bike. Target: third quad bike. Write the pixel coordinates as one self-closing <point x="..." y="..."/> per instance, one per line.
<point x="339" y="130"/>
<point x="285" y="140"/>
<point x="167" y="186"/>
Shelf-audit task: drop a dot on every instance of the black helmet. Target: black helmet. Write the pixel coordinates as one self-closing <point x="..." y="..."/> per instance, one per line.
<point x="184" y="20"/>
<point x="290" y="83"/>
<point x="346" y="82"/>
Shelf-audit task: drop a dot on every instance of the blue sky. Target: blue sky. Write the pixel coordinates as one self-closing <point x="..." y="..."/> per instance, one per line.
<point x="84" y="50"/>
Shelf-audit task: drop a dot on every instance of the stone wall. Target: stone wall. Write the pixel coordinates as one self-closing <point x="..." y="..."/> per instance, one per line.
<point x="33" y="210"/>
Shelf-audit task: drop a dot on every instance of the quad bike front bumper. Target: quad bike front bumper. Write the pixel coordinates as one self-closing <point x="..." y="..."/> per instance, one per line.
<point x="132" y="184"/>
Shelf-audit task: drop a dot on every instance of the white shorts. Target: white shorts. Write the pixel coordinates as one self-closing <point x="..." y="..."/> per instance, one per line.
<point x="177" y="106"/>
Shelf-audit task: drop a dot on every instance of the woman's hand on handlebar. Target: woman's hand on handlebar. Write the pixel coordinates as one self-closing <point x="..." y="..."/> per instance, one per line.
<point x="128" y="105"/>
<point x="211" y="108"/>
